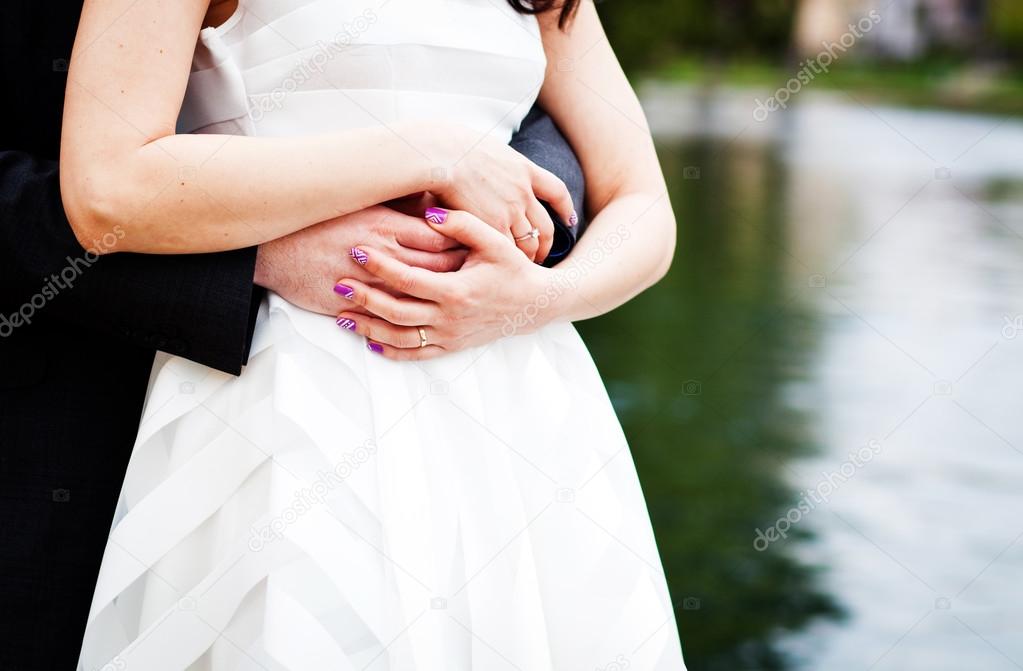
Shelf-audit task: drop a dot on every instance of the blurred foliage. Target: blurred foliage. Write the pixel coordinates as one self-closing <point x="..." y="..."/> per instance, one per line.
<point x="748" y="43"/>
<point x="647" y="33"/>
<point x="1005" y="19"/>
<point x="651" y="34"/>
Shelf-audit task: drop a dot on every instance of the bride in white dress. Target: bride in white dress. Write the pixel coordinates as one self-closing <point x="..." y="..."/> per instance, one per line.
<point x="333" y="508"/>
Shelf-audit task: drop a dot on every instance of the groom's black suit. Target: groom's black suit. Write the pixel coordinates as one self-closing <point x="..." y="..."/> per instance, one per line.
<point x="77" y="337"/>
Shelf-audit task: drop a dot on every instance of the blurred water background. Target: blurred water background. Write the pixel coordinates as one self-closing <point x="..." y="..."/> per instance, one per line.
<point x="824" y="396"/>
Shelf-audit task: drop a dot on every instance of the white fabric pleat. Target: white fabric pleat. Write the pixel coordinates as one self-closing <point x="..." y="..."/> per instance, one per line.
<point x="331" y="509"/>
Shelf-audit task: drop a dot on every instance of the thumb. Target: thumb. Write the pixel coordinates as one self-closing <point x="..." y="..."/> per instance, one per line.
<point x="466" y="229"/>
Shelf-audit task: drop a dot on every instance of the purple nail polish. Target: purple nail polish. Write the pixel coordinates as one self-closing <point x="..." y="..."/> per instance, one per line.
<point x="358" y="255"/>
<point x="344" y="290"/>
<point x="346" y="323"/>
<point x="436" y="215"/>
<point x="375" y="347"/>
<point x="573" y="219"/>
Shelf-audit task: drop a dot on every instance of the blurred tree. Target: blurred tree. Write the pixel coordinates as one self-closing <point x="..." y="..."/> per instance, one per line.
<point x="1006" y="24"/>
<point x="648" y="33"/>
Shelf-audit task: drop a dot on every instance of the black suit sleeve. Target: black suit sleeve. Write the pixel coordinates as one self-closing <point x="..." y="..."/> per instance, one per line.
<point x="542" y="142"/>
<point x="199" y="306"/>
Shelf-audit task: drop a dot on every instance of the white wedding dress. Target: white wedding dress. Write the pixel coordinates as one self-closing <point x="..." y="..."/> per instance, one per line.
<point x="330" y="509"/>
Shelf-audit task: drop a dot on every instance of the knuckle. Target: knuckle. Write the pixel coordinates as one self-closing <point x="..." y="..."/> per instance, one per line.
<point x="399" y="315"/>
<point x="380" y="220"/>
<point x="408" y="341"/>
<point x="433" y="262"/>
<point x="406" y="282"/>
<point x="436" y="243"/>
<point x="456" y="296"/>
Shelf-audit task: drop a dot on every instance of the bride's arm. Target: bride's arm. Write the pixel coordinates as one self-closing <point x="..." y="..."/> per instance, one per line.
<point x="627" y="247"/>
<point x="124" y="170"/>
<point x="632" y="230"/>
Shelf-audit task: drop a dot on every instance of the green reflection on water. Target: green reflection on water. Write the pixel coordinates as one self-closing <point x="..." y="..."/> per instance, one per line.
<point x="697" y="368"/>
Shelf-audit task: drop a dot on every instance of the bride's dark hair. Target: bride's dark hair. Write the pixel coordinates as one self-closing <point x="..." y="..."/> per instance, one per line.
<point x="568" y="8"/>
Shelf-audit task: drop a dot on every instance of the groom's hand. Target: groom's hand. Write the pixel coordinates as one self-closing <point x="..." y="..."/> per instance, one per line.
<point x="305" y="267"/>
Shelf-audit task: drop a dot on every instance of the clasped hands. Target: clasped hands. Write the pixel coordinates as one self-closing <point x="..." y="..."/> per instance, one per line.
<point x="418" y="280"/>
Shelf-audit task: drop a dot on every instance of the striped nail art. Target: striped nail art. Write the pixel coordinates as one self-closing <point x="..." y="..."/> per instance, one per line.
<point x="344" y="290"/>
<point x="375" y="347"/>
<point x="346" y="323"/>
<point x="358" y="255"/>
<point x="436" y="215"/>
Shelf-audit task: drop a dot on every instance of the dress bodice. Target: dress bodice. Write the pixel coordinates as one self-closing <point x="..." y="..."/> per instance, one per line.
<point x="302" y="67"/>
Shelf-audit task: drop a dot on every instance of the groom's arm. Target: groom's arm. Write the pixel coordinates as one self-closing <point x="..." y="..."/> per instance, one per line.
<point x="196" y="306"/>
<point x="201" y="307"/>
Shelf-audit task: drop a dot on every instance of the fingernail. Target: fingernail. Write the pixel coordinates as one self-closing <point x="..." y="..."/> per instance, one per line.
<point x="358" y="255"/>
<point x="573" y="219"/>
<point x="346" y="323"/>
<point x="436" y="215"/>
<point x="375" y="347"/>
<point x="344" y="290"/>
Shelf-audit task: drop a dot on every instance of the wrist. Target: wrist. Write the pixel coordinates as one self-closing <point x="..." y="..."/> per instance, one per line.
<point x="439" y="142"/>
<point x="549" y="297"/>
<point x="261" y="274"/>
<point x="568" y="305"/>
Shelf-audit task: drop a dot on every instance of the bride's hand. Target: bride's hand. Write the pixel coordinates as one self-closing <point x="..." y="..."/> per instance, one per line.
<point x="500" y="186"/>
<point x="497" y="292"/>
